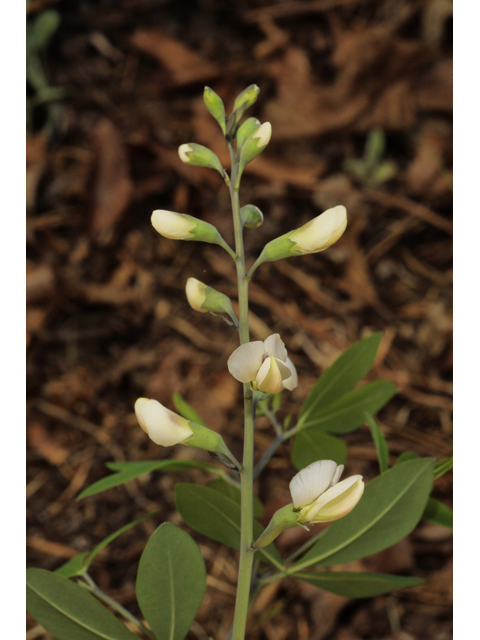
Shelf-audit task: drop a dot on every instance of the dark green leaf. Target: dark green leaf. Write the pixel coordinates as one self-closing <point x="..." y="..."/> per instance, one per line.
<point x="311" y="445"/>
<point x="68" y="611"/>
<point x="348" y="412"/>
<point x="126" y="471"/>
<point x="234" y="493"/>
<point x="44" y="27"/>
<point x="358" y="585"/>
<point x="171" y="582"/>
<point x="185" y="410"/>
<point x="341" y="376"/>
<point x="380" y="444"/>
<point x="442" y="466"/>
<point x="390" y="508"/>
<point x="217" y="516"/>
<point x="438" y="513"/>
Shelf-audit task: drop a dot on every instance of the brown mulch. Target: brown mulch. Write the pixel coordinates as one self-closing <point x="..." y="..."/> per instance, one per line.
<point x="107" y="318"/>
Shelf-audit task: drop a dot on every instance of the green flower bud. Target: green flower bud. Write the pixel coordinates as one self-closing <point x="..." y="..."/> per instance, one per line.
<point x="245" y="130"/>
<point x="316" y="235"/>
<point x="242" y="102"/>
<point x="246" y="98"/>
<point x="251" y="216"/>
<point x="255" y="144"/>
<point x="180" y="226"/>
<point x="215" y="107"/>
<point x="199" y="156"/>
<point x="207" y="299"/>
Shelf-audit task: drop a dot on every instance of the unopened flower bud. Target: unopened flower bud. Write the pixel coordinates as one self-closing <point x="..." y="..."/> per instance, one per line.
<point x="204" y="299"/>
<point x="181" y="226"/>
<point x="316" y="235"/>
<point x="251" y="216"/>
<point x="246" y="98"/>
<point x="245" y="130"/>
<point x="200" y="156"/>
<point x="255" y="144"/>
<point x="167" y="428"/>
<point x="215" y="107"/>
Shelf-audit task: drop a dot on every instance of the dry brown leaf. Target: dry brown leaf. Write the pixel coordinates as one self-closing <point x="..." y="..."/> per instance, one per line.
<point x="112" y="186"/>
<point x="42" y="442"/>
<point x="36" y="162"/>
<point x="184" y="64"/>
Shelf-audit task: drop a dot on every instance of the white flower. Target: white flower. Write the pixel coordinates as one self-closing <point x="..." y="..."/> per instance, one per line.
<point x="265" y="364"/>
<point x="175" y="226"/>
<point x="183" y="151"/>
<point x="195" y="291"/>
<point x="318" y="495"/>
<point x="163" y="426"/>
<point x="321" y="232"/>
<point x="263" y="134"/>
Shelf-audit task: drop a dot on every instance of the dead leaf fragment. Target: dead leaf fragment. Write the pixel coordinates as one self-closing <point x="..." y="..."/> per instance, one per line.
<point x="183" y="64"/>
<point x="112" y="186"/>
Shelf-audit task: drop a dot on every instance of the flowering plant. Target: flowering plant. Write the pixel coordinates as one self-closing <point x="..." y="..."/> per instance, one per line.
<point x="367" y="517"/>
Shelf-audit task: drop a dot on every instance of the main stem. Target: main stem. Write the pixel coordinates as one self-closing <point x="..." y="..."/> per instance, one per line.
<point x="246" y="475"/>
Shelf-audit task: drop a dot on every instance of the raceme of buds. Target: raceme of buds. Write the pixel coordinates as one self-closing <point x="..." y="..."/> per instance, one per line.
<point x="251" y="216"/>
<point x="204" y="299"/>
<point x="199" y="156"/>
<point x="319" y="497"/>
<point x="316" y="235"/>
<point x="215" y="107"/>
<point x="245" y="130"/>
<point x="265" y="365"/>
<point x="167" y="428"/>
<point x="181" y="226"/>
<point x="255" y="144"/>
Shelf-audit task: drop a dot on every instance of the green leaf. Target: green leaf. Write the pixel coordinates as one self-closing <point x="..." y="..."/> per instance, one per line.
<point x="438" y="513"/>
<point x="44" y="27"/>
<point x="234" y="493"/>
<point x="348" y="412"/>
<point x="380" y="443"/>
<point x="68" y="611"/>
<point x="217" y="516"/>
<point x="358" y="585"/>
<point x="311" y="445"/>
<point x="73" y="567"/>
<point x="185" y="410"/>
<point x="389" y="509"/>
<point x="126" y="471"/>
<point x="406" y="456"/>
<point x="171" y="582"/>
<point x="341" y="376"/>
<point x="442" y="466"/>
<point x="374" y="146"/>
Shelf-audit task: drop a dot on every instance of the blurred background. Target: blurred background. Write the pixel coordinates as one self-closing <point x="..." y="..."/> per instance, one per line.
<point x="359" y="94"/>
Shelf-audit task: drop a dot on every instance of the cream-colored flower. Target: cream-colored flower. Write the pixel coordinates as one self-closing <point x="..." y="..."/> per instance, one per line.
<point x="163" y="426"/>
<point x="265" y="364"/>
<point x="170" y="224"/>
<point x="321" y="232"/>
<point x="319" y="497"/>
<point x="183" y="151"/>
<point x="263" y="134"/>
<point x="196" y="296"/>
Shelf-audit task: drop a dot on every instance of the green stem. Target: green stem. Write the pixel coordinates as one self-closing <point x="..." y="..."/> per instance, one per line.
<point x="90" y="585"/>
<point x="262" y="463"/>
<point x="246" y="475"/>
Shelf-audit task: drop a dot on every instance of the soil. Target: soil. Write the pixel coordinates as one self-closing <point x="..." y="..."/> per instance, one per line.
<point x="107" y="318"/>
